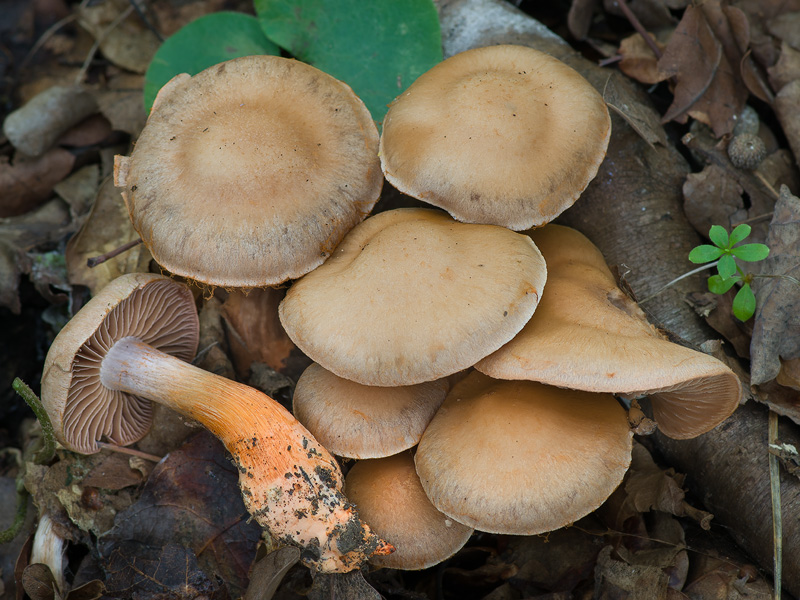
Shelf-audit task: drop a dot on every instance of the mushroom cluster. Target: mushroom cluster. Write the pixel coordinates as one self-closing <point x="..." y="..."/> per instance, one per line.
<point x="468" y="362"/>
<point x="529" y="437"/>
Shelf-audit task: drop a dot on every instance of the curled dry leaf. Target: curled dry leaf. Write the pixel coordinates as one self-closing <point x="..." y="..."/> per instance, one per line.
<point x="776" y="330"/>
<point x="642" y="118"/>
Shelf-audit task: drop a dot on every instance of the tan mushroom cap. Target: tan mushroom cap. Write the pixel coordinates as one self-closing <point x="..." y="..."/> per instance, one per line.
<point x="389" y="497"/>
<point x="361" y="421"/>
<point x="504" y="135"/>
<point x="589" y="335"/>
<point x="410" y="295"/>
<point x="150" y="307"/>
<point x="522" y="458"/>
<point x="251" y="172"/>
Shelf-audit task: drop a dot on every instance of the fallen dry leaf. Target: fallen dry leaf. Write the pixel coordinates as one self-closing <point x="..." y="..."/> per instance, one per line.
<point x="107" y="227"/>
<point x="786" y="27"/>
<point x="169" y="572"/>
<point x="787" y="108"/>
<point x="638" y="60"/>
<point x="707" y="87"/>
<point x="712" y="197"/>
<point x="25" y="184"/>
<point x="786" y="70"/>
<point x="653" y="14"/>
<point x="268" y="572"/>
<point x="128" y="44"/>
<point x="255" y="333"/>
<point x="191" y="499"/>
<point x="642" y="118"/>
<point x="579" y="18"/>
<point x="616" y="579"/>
<point x="776" y="329"/>
<point x="80" y="189"/>
<point x="46" y="224"/>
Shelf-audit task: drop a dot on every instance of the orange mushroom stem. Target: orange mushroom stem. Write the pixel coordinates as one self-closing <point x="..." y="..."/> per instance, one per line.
<point x="290" y="483"/>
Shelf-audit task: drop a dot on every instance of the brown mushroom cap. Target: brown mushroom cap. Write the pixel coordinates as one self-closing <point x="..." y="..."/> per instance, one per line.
<point x="589" y="335"/>
<point x="504" y="135"/>
<point x="361" y="421"/>
<point x="522" y="458"/>
<point x="149" y="307"/>
<point x="250" y="172"/>
<point x="389" y="497"/>
<point x="410" y="295"/>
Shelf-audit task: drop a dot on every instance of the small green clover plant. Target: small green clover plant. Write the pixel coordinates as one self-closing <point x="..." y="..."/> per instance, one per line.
<point x="725" y="252"/>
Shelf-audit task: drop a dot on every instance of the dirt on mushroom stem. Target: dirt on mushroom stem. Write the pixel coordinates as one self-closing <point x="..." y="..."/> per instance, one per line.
<point x="290" y="483"/>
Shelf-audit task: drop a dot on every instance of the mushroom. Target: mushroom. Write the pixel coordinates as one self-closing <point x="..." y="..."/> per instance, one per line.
<point x="504" y="135"/>
<point x="587" y="334"/>
<point x="130" y="343"/>
<point x="389" y="497"/>
<point x="361" y="421"/>
<point x="522" y="458"/>
<point x="410" y="295"/>
<point x="250" y="172"/>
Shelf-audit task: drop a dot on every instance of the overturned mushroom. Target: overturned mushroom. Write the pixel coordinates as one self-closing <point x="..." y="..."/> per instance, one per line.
<point x="588" y="335"/>
<point x="130" y="342"/>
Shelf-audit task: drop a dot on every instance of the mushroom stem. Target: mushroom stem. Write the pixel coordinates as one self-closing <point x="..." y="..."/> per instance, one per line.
<point x="290" y="483"/>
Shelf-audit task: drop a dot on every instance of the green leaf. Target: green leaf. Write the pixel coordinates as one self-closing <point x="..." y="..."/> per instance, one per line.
<point x="751" y="252"/>
<point x="204" y="42"/>
<point x="738" y="234"/>
<point x="717" y="285"/>
<point x="378" y="47"/>
<point x="726" y="267"/>
<point x="719" y="236"/>
<point x="704" y="254"/>
<point x="744" y="304"/>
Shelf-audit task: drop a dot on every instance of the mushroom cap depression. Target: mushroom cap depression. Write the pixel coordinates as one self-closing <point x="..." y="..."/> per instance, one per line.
<point x="410" y="295"/>
<point x="504" y="135"/>
<point x="250" y="172"/>
<point x="146" y="306"/>
<point x="522" y="458"/>
<point x="363" y="421"/>
<point x="390" y="499"/>
<point x="587" y="334"/>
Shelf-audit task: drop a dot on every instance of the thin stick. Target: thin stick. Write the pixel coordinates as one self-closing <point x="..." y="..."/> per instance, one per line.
<point x="767" y="184"/>
<point x="754" y="219"/>
<point x="131" y="451"/>
<point x="48" y="449"/>
<point x="775" y="487"/>
<point x="677" y="279"/>
<point x="637" y="25"/>
<point x="96" y="260"/>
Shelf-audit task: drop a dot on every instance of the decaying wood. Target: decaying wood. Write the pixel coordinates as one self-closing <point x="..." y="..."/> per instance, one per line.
<point x="633" y="212"/>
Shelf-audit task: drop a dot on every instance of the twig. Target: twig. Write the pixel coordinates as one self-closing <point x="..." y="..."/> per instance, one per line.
<point x="637" y="25"/>
<point x="96" y="260"/>
<point x="99" y="40"/>
<point x="777" y="523"/>
<point x="131" y="451"/>
<point x="754" y="219"/>
<point x="677" y="279"/>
